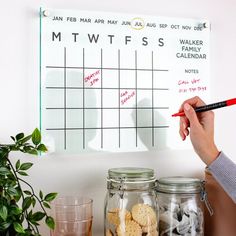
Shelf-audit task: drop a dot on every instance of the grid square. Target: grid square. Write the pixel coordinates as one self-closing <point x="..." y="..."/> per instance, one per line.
<point x="74" y="118"/>
<point x="110" y="118"/>
<point x="111" y="138"/>
<point x="92" y="118"/>
<point x="56" y="138"/>
<point x="160" y="138"/>
<point x="74" y="98"/>
<point x="127" y="59"/>
<point x="74" y="78"/>
<point x="127" y="118"/>
<point x="145" y="137"/>
<point x="108" y="60"/>
<point x="144" y="79"/>
<point x="161" y="117"/>
<point x="144" y="98"/>
<point x="161" y="98"/>
<point x="127" y="79"/>
<point x="54" y="98"/>
<point x="161" y="79"/>
<point x="74" y="56"/>
<point x="144" y="117"/>
<point x="110" y="79"/>
<point x="144" y="59"/>
<point x="51" y="59"/>
<point x="74" y="140"/>
<point x="92" y="57"/>
<point x="92" y="78"/>
<point x="127" y="98"/>
<point x="92" y="98"/>
<point x="54" y="78"/>
<point x="53" y="118"/>
<point x="93" y="139"/>
<point x="127" y="138"/>
<point x="110" y="98"/>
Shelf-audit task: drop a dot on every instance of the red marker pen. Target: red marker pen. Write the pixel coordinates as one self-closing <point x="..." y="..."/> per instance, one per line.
<point x="210" y="107"/>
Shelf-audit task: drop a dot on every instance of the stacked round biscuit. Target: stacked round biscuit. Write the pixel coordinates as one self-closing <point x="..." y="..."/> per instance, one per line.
<point x="140" y="221"/>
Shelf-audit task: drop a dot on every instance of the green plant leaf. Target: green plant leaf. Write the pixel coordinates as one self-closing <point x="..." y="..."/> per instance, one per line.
<point x="22" y="173"/>
<point x="41" y="194"/>
<point x="33" y="202"/>
<point x="4" y="226"/>
<point x="46" y="205"/>
<point x="42" y="148"/>
<point x="19" y="136"/>
<point x="49" y="197"/>
<point x="4" y="171"/>
<point x="27" y="192"/>
<point x="17" y="165"/>
<point x="25" y="139"/>
<point x="36" y="137"/>
<point x="26" y="166"/>
<point x="37" y="216"/>
<point x="33" y="152"/>
<point x="50" y="222"/>
<point x="12" y="191"/>
<point x="26" y="203"/>
<point x="15" y="210"/>
<point x="18" y="227"/>
<point x="13" y="138"/>
<point x="3" y="212"/>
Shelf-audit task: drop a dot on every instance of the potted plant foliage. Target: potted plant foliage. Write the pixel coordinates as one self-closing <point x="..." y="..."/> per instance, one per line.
<point x="18" y="199"/>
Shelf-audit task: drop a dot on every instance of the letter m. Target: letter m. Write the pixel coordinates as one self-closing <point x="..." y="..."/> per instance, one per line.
<point x="55" y="36"/>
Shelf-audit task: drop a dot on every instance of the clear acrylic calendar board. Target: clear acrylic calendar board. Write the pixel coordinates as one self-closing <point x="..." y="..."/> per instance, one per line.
<point x="110" y="81"/>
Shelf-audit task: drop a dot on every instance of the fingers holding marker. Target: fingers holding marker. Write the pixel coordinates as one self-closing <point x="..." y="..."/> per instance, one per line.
<point x="183" y="127"/>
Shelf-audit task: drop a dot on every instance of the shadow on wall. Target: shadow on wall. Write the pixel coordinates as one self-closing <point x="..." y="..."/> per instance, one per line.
<point x="63" y="115"/>
<point x="151" y="138"/>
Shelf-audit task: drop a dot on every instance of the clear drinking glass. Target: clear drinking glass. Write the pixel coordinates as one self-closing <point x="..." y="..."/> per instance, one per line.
<point x="73" y="216"/>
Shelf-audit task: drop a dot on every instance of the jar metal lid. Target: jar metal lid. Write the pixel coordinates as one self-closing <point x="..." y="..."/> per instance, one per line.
<point x="131" y="174"/>
<point x="179" y="184"/>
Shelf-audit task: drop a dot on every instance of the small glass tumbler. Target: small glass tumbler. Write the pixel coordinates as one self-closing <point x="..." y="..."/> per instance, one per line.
<point x="73" y="216"/>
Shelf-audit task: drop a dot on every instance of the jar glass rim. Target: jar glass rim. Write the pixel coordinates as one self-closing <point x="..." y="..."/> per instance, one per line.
<point x="179" y="184"/>
<point x="131" y="173"/>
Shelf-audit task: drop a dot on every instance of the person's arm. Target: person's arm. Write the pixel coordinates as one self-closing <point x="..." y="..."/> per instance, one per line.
<point x="200" y="128"/>
<point x="224" y="171"/>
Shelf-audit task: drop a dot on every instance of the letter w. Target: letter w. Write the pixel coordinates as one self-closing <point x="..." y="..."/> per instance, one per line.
<point x="93" y="38"/>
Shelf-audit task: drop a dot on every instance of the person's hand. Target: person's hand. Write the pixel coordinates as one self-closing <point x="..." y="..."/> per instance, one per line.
<point x="200" y="127"/>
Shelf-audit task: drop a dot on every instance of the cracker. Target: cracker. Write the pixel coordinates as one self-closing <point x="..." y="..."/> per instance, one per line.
<point x="116" y="216"/>
<point x="143" y="214"/>
<point x="129" y="228"/>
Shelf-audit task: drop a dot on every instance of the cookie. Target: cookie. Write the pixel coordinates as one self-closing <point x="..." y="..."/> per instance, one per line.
<point x="153" y="233"/>
<point x="116" y="216"/>
<point x="143" y="214"/>
<point x="109" y="233"/>
<point x="149" y="228"/>
<point x="129" y="228"/>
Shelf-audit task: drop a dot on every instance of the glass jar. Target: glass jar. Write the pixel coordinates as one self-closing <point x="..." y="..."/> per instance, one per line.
<point x="181" y="206"/>
<point x="130" y="204"/>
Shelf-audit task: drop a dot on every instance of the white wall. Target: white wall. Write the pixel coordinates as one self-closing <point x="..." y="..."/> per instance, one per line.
<point x="86" y="174"/>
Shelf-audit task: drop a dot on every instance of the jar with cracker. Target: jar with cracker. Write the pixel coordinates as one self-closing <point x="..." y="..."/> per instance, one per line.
<point x="130" y="206"/>
<point x="181" y="206"/>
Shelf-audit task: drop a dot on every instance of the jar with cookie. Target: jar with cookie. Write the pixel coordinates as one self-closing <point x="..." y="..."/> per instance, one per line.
<point x="181" y="206"/>
<point x="130" y="206"/>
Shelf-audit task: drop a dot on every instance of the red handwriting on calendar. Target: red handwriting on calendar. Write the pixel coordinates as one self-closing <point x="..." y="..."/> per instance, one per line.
<point x="191" y="86"/>
<point x="92" y="78"/>
<point x="126" y="96"/>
